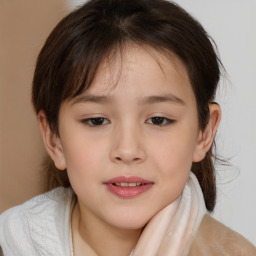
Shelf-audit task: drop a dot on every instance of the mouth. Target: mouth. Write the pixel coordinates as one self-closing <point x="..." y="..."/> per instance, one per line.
<point x="128" y="187"/>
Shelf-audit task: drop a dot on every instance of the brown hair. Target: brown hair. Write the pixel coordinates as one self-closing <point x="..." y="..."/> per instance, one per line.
<point x="68" y="62"/>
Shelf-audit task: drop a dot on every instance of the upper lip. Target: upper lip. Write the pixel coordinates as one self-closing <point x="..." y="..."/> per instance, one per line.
<point x="131" y="179"/>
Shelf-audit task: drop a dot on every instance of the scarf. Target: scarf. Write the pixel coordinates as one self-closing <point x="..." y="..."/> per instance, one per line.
<point x="171" y="231"/>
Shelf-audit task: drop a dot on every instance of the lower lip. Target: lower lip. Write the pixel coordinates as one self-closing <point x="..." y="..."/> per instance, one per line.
<point x="128" y="192"/>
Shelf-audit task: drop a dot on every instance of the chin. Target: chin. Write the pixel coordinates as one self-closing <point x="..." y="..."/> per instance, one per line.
<point x="130" y="222"/>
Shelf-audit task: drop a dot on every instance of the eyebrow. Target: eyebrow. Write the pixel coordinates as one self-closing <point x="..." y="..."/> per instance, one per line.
<point x="161" y="98"/>
<point x="93" y="99"/>
<point x="90" y="98"/>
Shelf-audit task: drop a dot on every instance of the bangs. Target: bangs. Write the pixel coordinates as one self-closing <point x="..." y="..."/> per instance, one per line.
<point x="86" y="56"/>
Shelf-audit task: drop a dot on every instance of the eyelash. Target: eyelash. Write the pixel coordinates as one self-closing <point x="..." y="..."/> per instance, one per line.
<point x="89" y="121"/>
<point x="166" y="120"/>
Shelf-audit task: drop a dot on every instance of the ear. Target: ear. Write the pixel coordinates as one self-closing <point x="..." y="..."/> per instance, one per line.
<point x="52" y="142"/>
<point x="206" y="137"/>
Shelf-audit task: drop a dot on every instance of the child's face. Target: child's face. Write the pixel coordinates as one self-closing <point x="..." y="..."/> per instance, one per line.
<point x="128" y="140"/>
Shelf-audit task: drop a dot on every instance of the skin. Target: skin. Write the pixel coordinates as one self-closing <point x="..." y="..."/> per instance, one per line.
<point x="130" y="141"/>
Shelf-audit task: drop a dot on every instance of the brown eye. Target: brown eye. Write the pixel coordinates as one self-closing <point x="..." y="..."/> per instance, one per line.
<point x="160" y="121"/>
<point x="97" y="121"/>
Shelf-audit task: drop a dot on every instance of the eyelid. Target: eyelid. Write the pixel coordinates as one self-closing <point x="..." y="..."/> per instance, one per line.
<point x="168" y="120"/>
<point x="87" y="120"/>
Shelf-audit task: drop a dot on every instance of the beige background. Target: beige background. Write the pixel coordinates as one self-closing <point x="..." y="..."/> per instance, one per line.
<point x="24" y="26"/>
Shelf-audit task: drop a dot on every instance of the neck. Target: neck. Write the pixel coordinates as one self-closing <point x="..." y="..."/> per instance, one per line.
<point x="92" y="236"/>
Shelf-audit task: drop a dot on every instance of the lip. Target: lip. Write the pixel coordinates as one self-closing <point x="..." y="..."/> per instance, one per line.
<point x="128" y="192"/>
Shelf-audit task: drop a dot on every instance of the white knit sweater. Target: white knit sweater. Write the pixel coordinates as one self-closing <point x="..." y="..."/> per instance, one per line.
<point x="41" y="226"/>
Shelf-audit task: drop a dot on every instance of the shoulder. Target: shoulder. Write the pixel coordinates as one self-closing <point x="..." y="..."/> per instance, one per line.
<point x="27" y="227"/>
<point x="214" y="238"/>
<point x="39" y="205"/>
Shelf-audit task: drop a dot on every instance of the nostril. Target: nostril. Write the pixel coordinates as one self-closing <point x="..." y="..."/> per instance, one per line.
<point x="123" y="159"/>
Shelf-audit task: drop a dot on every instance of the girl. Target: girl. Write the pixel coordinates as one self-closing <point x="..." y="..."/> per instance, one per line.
<point x="124" y="95"/>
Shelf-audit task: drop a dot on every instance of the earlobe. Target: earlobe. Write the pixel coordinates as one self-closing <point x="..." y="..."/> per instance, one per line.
<point x="206" y="137"/>
<point x="52" y="142"/>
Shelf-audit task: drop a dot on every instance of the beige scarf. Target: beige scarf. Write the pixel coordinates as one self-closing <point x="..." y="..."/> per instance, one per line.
<point x="171" y="231"/>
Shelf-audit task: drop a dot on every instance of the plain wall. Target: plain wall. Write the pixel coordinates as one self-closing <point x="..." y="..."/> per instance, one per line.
<point x="24" y="26"/>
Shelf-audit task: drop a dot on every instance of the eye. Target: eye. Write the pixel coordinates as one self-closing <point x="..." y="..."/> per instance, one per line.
<point x="160" y="121"/>
<point x="96" y="121"/>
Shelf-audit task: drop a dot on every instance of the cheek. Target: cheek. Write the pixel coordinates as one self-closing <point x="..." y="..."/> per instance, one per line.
<point x="174" y="151"/>
<point x="173" y="159"/>
<point x="77" y="155"/>
<point x="84" y="158"/>
<point x="81" y="146"/>
<point x="83" y="167"/>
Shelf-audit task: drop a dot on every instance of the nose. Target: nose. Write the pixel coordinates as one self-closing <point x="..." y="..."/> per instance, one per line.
<point x="127" y="146"/>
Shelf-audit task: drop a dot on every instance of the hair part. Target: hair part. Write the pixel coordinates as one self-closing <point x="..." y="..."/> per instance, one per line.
<point x="68" y="62"/>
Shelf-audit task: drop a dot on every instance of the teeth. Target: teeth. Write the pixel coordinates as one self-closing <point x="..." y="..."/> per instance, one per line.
<point x="124" y="184"/>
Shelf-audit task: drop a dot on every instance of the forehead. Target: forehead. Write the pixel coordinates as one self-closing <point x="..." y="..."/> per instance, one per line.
<point x="141" y="71"/>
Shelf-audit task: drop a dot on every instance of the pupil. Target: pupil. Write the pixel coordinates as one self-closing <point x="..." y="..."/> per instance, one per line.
<point x="157" y="120"/>
<point x="97" y="121"/>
